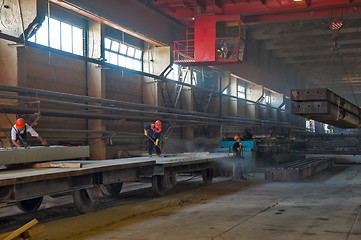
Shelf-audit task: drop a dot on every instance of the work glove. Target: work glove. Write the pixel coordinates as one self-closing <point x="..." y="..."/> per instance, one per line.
<point x="145" y="132"/>
<point x="156" y="142"/>
<point x="45" y="143"/>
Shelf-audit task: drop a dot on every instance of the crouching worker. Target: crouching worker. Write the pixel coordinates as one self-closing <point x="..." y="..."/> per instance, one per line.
<point x="153" y="132"/>
<point x="18" y="134"/>
<point x="239" y="165"/>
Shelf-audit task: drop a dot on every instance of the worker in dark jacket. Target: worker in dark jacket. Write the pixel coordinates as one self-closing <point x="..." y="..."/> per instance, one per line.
<point x="153" y="132"/>
<point x="237" y="149"/>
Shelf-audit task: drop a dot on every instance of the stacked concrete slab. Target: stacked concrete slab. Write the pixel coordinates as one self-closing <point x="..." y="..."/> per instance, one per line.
<point x="299" y="169"/>
<point x="325" y="106"/>
<point x="41" y="154"/>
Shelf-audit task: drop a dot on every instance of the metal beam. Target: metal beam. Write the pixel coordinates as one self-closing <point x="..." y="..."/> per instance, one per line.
<point x="324" y="41"/>
<point x="305" y="60"/>
<point x="296" y="34"/>
<point x="296" y="15"/>
<point x="288" y="53"/>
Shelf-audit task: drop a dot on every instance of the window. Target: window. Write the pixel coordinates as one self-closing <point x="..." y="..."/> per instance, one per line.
<point x="241" y="91"/>
<point x="121" y="54"/>
<point x="267" y="98"/>
<point x="327" y="128"/>
<point x="226" y="91"/>
<point x="60" y="35"/>
<point x="174" y="74"/>
<point x="195" y="78"/>
<point x="310" y="125"/>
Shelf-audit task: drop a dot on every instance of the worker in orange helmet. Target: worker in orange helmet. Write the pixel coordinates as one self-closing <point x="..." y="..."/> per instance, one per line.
<point x="237" y="149"/>
<point x="237" y="146"/>
<point x="18" y="134"/>
<point x="153" y="132"/>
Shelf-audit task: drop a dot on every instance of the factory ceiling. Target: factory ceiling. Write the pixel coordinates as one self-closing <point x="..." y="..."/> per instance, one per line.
<point x="319" y="39"/>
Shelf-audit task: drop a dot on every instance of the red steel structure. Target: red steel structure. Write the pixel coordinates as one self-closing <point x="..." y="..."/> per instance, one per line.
<point x="214" y="39"/>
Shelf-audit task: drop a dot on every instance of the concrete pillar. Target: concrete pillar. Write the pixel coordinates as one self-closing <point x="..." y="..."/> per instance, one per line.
<point x="241" y="108"/>
<point x="9" y="72"/>
<point x="187" y="104"/>
<point x="253" y="93"/>
<point x="155" y="61"/>
<point x="96" y="88"/>
<point x="277" y="101"/>
<point x="225" y="84"/>
<point x="233" y="101"/>
<point x="214" y="102"/>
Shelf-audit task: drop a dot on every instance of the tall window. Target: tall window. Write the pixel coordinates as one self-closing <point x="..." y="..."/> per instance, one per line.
<point x="310" y="125"/>
<point x="241" y="91"/>
<point x="121" y="54"/>
<point x="226" y="90"/>
<point x="60" y="35"/>
<point x="174" y="74"/>
<point x="267" y="97"/>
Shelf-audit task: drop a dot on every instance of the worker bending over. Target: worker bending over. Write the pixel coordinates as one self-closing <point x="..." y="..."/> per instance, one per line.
<point x="18" y="134"/>
<point x="153" y="132"/>
<point x="237" y="149"/>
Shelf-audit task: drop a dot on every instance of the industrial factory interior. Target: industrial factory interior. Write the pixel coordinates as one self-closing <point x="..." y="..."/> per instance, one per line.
<point x="180" y="119"/>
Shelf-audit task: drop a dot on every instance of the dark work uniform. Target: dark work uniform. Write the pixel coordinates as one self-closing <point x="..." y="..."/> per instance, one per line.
<point x="239" y="168"/>
<point x="153" y="134"/>
<point x="236" y="145"/>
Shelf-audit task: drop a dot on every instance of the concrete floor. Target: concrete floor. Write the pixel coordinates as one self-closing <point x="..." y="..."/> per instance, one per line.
<point x="326" y="206"/>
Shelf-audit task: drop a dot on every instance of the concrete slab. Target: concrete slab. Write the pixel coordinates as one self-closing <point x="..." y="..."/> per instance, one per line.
<point x="18" y="176"/>
<point x="41" y="154"/>
<point x="340" y="158"/>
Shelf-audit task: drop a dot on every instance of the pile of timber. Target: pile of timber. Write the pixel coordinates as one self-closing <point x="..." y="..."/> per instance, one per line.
<point x="298" y="169"/>
<point x="325" y="106"/>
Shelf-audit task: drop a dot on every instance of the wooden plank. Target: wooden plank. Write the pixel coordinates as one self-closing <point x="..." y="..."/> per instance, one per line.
<point x="19" y="231"/>
<point x="56" y="165"/>
<point x="32" y="232"/>
<point x="42" y="154"/>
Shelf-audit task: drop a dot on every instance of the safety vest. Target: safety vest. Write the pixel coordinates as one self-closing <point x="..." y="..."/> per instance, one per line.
<point x="154" y="130"/>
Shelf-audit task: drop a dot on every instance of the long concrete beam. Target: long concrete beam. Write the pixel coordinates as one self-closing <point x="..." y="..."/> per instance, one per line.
<point x="41" y="154"/>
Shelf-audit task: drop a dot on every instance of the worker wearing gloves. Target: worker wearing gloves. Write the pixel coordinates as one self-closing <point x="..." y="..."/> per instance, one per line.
<point x="153" y="132"/>
<point x="237" y="149"/>
<point x="18" y="134"/>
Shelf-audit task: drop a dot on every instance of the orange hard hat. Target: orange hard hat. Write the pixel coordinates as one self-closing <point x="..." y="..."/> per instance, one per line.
<point x="236" y="137"/>
<point x="20" y="123"/>
<point x="158" y="123"/>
